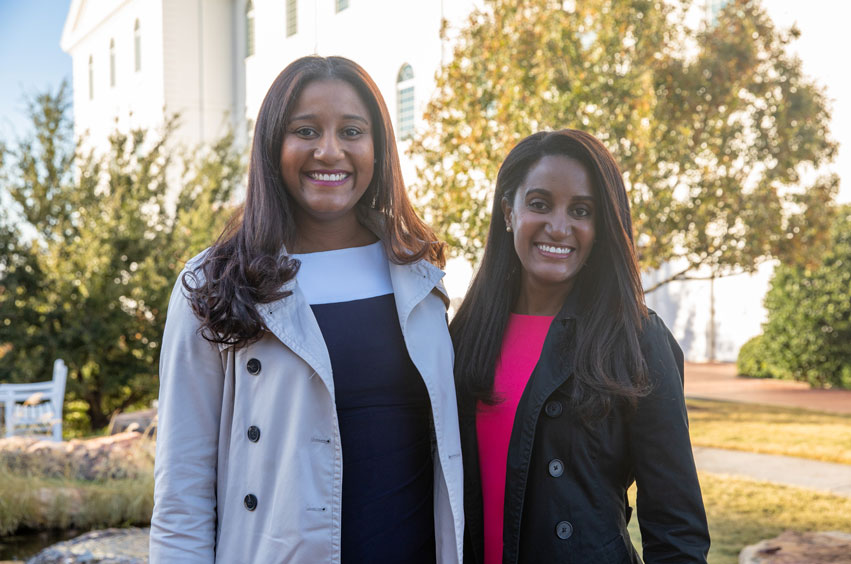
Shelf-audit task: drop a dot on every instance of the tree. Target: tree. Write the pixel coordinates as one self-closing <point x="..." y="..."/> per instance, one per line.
<point x="808" y="329"/>
<point x="91" y="253"/>
<point x="713" y="127"/>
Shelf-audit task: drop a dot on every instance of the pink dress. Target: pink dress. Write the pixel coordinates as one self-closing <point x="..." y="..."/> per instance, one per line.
<point x="521" y="348"/>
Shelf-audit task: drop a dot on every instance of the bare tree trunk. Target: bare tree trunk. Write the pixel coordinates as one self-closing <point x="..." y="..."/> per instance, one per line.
<point x="711" y="333"/>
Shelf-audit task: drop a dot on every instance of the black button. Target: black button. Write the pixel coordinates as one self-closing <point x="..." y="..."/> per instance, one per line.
<point x="253" y="434"/>
<point x="553" y="408"/>
<point x="564" y="529"/>
<point x="253" y="366"/>
<point x="556" y="467"/>
<point x="250" y="502"/>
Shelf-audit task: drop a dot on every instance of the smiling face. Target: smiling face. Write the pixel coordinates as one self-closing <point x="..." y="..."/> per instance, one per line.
<point x="327" y="156"/>
<point x="552" y="219"/>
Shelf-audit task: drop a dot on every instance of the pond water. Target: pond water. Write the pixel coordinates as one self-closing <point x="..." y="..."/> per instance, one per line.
<point x="26" y="544"/>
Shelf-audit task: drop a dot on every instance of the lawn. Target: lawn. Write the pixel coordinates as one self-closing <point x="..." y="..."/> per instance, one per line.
<point x="742" y="512"/>
<point x="770" y="430"/>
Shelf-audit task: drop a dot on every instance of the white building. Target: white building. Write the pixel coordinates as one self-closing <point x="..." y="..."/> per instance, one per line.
<point x="136" y="60"/>
<point x="212" y="61"/>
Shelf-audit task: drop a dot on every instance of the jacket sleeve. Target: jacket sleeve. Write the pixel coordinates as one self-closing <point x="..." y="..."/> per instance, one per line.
<point x="670" y="507"/>
<point x="183" y="525"/>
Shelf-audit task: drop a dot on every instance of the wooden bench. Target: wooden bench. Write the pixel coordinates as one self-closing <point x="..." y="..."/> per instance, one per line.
<point x="35" y="408"/>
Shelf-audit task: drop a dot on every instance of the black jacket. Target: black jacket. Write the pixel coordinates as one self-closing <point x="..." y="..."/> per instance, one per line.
<point x="565" y="493"/>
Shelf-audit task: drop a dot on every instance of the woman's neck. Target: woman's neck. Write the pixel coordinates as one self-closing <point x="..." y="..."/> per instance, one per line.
<point x="314" y="237"/>
<point x="534" y="299"/>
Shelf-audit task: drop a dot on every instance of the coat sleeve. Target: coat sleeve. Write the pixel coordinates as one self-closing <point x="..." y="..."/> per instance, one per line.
<point x="183" y="525"/>
<point x="670" y="507"/>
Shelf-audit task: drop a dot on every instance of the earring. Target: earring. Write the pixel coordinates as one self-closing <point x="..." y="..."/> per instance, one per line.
<point x="508" y="228"/>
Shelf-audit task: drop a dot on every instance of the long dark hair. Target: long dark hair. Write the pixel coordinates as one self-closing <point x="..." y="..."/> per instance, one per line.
<point x="608" y="363"/>
<point x="245" y="266"/>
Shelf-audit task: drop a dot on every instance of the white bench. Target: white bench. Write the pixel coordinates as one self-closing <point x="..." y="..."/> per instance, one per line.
<point x="35" y="408"/>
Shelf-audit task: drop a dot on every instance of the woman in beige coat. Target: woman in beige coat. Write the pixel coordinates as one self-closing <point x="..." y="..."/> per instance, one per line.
<point x="307" y="408"/>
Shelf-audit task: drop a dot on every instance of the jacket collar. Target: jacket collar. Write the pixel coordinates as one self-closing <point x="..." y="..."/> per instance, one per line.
<point x="291" y="319"/>
<point x="574" y="307"/>
<point x="411" y="282"/>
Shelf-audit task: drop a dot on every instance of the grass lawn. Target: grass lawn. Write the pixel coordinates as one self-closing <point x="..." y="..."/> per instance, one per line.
<point x="742" y="512"/>
<point x="770" y="430"/>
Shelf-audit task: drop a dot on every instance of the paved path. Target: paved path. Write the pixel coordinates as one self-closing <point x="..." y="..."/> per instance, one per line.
<point x="720" y="382"/>
<point x="789" y="470"/>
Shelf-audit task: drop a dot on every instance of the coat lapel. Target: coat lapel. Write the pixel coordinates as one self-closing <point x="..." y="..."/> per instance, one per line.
<point x="412" y="283"/>
<point x="551" y="371"/>
<point x="291" y="320"/>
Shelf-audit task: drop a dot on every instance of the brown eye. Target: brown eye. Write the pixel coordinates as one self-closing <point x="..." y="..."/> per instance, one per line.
<point x="305" y="132"/>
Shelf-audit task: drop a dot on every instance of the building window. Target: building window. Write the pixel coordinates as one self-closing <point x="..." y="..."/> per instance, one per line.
<point x="405" y="101"/>
<point x="112" y="62"/>
<point x="249" y="28"/>
<point x="292" y="17"/>
<point x="91" y="78"/>
<point x="137" y="46"/>
<point x="342" y="5"/>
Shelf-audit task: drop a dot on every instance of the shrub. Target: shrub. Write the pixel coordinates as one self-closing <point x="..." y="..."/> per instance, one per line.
<point x="808" y="330"/>
<point x="753" y="360"/>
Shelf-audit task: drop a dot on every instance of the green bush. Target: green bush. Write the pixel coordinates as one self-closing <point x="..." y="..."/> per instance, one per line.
<point x="753" y="360"/>
<point x="808" y="332"/>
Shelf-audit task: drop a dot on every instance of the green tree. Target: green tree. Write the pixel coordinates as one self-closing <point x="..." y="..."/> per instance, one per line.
<point x="92" y="249"/>
<point x="713" y="127"/>
<point x="808" y="329"/>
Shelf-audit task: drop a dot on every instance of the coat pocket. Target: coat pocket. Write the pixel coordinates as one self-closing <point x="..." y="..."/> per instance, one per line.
<point x="616" y="552"/>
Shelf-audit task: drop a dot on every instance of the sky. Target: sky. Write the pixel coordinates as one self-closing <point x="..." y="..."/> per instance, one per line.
<point x="31" y="60"/>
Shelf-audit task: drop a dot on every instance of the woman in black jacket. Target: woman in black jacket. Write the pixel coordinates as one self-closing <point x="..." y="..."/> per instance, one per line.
<point x="569" y="388"/>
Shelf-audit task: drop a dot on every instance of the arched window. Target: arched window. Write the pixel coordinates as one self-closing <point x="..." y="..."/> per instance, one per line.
<point x="112" y="62"/>
<point x="405" y="101"/>
<point x="91" y="78"/>
<point x="292" y="17"/>
<point x="249" y="28"/>
<point x="137" y="46"/>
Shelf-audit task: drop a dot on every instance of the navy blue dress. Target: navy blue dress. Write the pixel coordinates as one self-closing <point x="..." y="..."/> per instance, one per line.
<point x="382" y="407"/>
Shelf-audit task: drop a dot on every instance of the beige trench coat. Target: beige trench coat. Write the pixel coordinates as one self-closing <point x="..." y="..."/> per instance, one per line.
<point x="261" y="421"/>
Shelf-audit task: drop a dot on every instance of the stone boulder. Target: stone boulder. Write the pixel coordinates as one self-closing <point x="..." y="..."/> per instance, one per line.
<point x="109" y="546"/>
<point x="120" y="456"/>
<point x="143" y="421"/>
<point x="796" y="548"/>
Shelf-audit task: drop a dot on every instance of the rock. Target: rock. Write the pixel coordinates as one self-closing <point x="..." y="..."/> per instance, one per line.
<point x="114" y="457"/>
<point x="144" y="421"/>
<point x="47" y="499"/>
<point x="109" y="546"/>
<point x="795" y="548"/>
